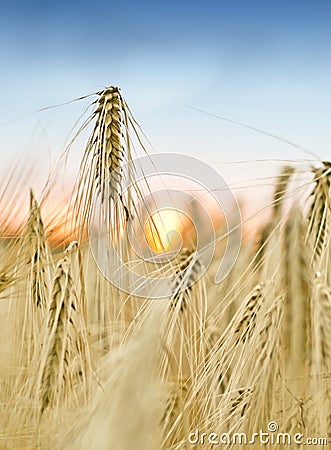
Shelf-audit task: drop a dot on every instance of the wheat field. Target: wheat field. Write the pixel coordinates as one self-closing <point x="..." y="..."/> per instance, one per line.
<point x="87" y="366"/>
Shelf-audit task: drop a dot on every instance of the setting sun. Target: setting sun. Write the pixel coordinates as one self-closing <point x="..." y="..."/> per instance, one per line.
<point x="164" y="230"/>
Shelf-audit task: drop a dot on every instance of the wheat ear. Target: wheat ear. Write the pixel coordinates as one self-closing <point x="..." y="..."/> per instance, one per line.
<point x="186" y="269"/>
<point x="282" y="182"/>
<point x="106" y="150"/>
<point x="297" y="297"/>
<point x="34" y="267"/>
<point x="66" y="340"/>
<point x="38" y="255"/>
<point x="319" y="215"/>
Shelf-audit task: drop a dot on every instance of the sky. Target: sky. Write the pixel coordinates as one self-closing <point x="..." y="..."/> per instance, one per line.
<point x="264" y="63"/>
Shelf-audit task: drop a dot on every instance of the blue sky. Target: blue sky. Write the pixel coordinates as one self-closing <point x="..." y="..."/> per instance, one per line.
<point x="265" y="63"/>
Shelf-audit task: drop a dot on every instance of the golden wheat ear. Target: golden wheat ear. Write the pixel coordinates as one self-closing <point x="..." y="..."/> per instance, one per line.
<point x="185" y="344"/>
<point x="33" y="273"/>
<point x="38" y="253"/>
<point x="281" y="186"/>
<point x="65" y="361"/>
<point x="319" y="215"/>
<point x="186" y="271"/>
<point x="102" y="203"/>
<point x="297" y="324"/>
<point x="321" y="357"/>
<point x="280" y="195"/>
<point x="107" y="149"/>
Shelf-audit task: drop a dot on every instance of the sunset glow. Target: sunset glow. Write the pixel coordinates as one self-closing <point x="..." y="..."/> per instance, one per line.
<point x="164" y="230"/>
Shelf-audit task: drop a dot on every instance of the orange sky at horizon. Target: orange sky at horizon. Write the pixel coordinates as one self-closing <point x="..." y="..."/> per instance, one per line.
<point x="55" y="207"/>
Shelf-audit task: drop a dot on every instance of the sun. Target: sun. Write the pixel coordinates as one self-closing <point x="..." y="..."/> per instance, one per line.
<point x="164" y="229"/>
